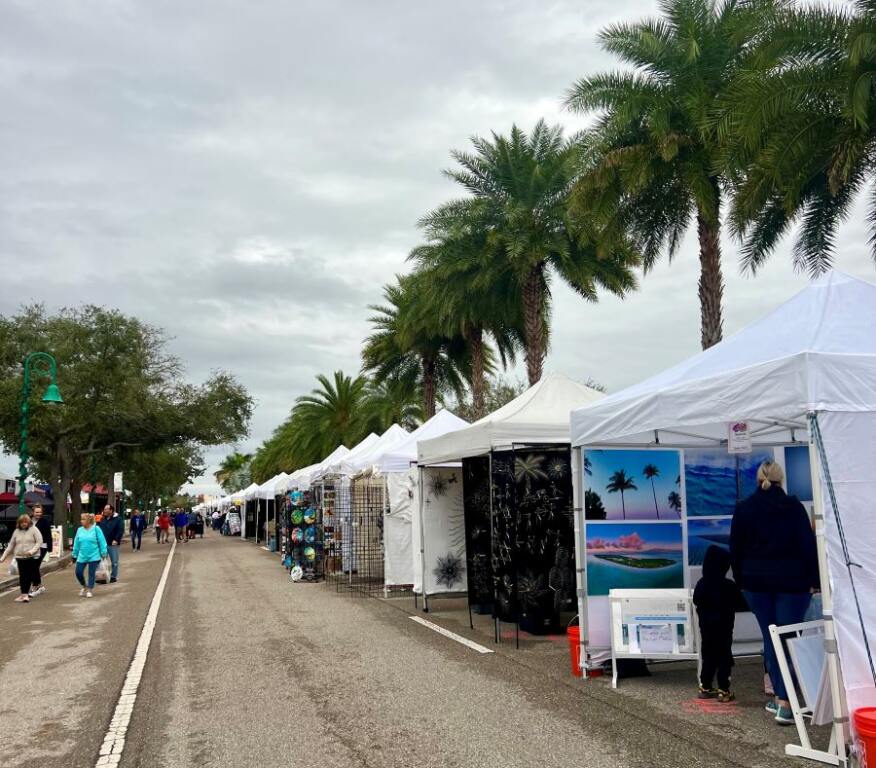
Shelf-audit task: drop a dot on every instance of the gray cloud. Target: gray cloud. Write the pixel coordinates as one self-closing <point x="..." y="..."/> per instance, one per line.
<point x="247" y="175"/>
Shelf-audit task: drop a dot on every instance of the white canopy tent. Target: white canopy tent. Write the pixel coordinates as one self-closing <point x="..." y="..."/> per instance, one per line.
<point x="398" y="465"/>
<point x="365" y="460"/>
<point x="303" y="478"/>
<point x="337" y="466"/>
<point x="804" y="373"/>
<point x="539" y="416"/>
<point x="402" y="456"/>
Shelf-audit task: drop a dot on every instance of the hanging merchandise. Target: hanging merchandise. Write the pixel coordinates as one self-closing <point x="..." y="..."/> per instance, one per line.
<point x="304" y="540"/>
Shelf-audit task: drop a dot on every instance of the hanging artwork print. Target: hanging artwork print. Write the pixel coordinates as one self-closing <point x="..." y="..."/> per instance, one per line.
<point x="716" y="480"/>
<point x="632" y="485"/>
<point x="634" y="556"/>
<point x="443" y="532"/>
<point x="797" y="472"/>
<point x="476" y="500"/>
<point x="702" y="534"/>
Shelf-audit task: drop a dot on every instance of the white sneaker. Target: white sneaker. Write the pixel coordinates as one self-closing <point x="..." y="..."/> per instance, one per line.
<point x="88" y="594"/>
<point x="82" y="592"/>
<point x="38" y="591"/>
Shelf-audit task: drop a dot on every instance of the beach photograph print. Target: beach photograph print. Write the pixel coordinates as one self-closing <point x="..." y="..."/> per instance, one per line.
<point x="715" y="480"/>
<point x="632" y="485"/>
<point x="797" y="472"/>
<point x="634" y="556"/>
<point x="702" y="534"/>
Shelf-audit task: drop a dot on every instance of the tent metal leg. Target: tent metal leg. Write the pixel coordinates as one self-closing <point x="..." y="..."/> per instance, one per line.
<point x="470" y="619"/>
<point x="517" y="634"/>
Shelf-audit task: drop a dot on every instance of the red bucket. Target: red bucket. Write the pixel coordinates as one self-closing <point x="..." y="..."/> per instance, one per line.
<point x="574" y="636"/>
<point x="865" y="725"/>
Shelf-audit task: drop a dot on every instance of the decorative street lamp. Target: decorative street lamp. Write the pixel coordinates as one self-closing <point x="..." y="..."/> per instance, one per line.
<point x="37" y="364"/>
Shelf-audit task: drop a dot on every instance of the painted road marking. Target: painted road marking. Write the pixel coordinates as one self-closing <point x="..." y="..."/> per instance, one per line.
<point x="452" y="635"/>
<point x="114" y="740"/>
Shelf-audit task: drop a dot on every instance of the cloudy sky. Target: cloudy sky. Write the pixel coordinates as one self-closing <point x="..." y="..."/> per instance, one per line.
<point x="248" y="174"/>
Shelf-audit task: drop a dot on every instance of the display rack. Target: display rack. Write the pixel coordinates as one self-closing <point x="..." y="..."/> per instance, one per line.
<point x="304" y="539"/>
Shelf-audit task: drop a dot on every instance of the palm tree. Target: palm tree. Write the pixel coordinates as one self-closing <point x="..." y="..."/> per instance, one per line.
<point x="528" y="468"/>
<point x="620" y="482"/>
<point x="518" y="186"/>
<point x="651" y="162"/>
<point x="801" y="130"/>
<point x="331" y="415"/>
<point x="412" y="348"/>
<point x="650" y="472"/>
<point x="233" y="472"/>
<point x="391" y="401"/>
<point x="675" y="502"/>
<point x="467" y="299"/>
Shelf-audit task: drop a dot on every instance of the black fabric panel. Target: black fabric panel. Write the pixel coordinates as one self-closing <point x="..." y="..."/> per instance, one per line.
<point x="476" y="503"/>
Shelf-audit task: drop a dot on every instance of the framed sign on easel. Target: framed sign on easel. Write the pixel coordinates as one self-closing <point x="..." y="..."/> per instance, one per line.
<point x="652" y="624"/>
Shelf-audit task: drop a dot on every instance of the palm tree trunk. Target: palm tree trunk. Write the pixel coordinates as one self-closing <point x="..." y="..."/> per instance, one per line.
<point x="478" y="378"/>
<point x="428" y="385"/>
<point x="534" y="322"/>
<point x="623" y="506"/>
<point x="711" y="286"/>
<point x="654" y="491"/>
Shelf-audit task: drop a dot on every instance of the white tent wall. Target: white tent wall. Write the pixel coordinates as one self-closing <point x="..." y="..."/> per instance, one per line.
<point x="851" y="460"/>
<point x="403" y="493"/>
<point x="442" y="531"/>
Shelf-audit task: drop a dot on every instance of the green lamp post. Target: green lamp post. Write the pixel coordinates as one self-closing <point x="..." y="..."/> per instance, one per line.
<point x="37" y="365"/>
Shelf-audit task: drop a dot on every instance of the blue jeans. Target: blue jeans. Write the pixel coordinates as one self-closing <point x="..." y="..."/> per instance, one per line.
<point x="92" y="572"/>
<point x="781" y="609"/>
<point x="114" y="559"/>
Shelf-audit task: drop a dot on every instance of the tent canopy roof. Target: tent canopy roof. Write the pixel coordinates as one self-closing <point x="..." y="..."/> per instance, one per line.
<point x="815" y="352"/>
<point x="334" y="467"/>
<point x="539" y="415"/>
<point x="399" y="457"/>
<point x="392" y="437"/>
<point x="303" y="477"/>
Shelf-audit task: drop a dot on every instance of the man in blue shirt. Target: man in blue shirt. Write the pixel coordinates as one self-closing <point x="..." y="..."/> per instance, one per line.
<point x="180" y="521"/>
<point x="138" y="525"/>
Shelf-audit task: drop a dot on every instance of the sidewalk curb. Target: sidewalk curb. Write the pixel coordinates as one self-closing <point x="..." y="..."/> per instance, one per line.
<point x="51" y="566"/>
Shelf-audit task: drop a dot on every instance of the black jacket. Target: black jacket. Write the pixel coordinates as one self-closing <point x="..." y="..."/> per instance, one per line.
<point x="44" y="526"/>
<point x="772" y="545"/>
<point x="715" y="596"/>
<point x="113" y="529"/>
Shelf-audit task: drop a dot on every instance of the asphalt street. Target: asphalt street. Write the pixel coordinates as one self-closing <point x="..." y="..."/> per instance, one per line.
<point x="246" y="669"/>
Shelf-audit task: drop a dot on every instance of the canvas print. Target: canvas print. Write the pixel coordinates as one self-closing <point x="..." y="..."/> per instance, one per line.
<point x="632" y="485"/>
<point x="797" y="472"/>
<point x="702" y="534"/>
<point x="478" y="539"/>
<point x="634" y="556"/>
<point x="716" y="480"/>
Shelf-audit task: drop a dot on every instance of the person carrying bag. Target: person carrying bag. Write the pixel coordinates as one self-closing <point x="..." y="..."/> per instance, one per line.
<point x="89" y="549"/>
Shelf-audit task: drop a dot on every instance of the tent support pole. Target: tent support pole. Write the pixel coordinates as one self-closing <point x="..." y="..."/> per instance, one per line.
<point x="420" y="471"/>
<point x="840" y="713"/>
<point x="580" y="554"/>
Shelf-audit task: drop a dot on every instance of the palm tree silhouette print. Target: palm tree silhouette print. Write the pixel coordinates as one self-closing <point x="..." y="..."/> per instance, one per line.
<point x="619" y="482"/>
<point x="650" y="472"/>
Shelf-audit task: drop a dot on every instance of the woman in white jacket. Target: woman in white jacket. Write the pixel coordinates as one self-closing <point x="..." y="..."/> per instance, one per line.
<point x="24" y="546"/>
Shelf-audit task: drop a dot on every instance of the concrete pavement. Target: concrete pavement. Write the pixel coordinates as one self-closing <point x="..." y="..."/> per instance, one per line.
<point x="248" y="669"/>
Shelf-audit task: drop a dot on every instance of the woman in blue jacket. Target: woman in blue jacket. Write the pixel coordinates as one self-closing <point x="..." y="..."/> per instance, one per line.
<point x="89" y="547"/>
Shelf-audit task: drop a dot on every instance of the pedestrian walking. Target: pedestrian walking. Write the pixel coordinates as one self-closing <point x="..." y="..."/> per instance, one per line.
<point x="775" y="563"/>
<point x="162" y="526"/>
<point x="45" y="528"/>
<point x="89" y="547"/>
<point x="138" y="525"/>
<point x="113" y="528"/>
<point x="216" y="517"/>
<point x="180" y="522"/>
<point x="24" y="546"/>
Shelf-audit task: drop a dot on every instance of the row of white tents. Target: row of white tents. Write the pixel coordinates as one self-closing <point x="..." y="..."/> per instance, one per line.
<point x="804" y="374"/>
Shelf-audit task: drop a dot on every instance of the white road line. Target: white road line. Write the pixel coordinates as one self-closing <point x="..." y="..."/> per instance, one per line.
<point x="452" y="635"/>
<point x="114" y="741"/>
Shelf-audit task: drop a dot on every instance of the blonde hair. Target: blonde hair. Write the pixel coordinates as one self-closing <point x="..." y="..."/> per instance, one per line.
<point x="21" y="519"/>
<point x="769" y="474"/>
<point x="87" y="519"/>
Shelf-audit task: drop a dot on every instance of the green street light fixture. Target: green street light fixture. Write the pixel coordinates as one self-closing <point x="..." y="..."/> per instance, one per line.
<point x="43" y="365"/>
